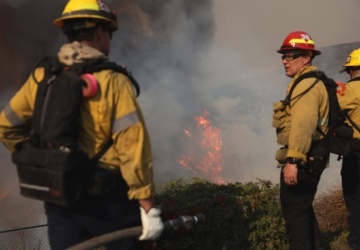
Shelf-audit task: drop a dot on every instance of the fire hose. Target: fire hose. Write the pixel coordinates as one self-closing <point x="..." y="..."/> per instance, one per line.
<point x="182" y="221"/>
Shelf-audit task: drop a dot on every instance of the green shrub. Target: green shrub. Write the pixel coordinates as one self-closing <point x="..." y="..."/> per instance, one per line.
<point x="268" y="226"/>
<point x="238" y="216"/>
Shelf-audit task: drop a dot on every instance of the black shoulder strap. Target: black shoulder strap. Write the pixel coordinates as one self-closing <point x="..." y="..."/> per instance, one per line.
<point x="315" y="74"/>
<point x="352" y="122"/>
<point x="53" y="66"/>
<point x="103" y="150"/>
<point x="113" y="66"/>
<point x="354" y="79"/>
<point x="98" y="66"/>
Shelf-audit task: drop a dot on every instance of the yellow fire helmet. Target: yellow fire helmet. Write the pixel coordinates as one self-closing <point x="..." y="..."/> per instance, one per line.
<point x="353" y="60"/>
<point x="88" y="9"/>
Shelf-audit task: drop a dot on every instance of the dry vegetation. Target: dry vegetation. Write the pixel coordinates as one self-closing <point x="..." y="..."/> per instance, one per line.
<point x="330" y="210"/>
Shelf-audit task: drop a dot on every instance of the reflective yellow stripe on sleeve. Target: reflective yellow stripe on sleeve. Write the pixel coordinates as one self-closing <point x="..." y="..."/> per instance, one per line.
<point x="12" y="117"/>
<point x="125" y="122"/>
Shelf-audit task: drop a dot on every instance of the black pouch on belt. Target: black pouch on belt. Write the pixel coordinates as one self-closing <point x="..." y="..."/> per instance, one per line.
<point x="58" y="176"/>
<point x="61" y="176"/>
<point x="317" y="157"/>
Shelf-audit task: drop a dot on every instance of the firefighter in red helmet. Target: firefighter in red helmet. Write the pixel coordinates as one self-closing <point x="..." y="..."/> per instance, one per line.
<point x="124" y="195"/>
<point x="300" y="120"/>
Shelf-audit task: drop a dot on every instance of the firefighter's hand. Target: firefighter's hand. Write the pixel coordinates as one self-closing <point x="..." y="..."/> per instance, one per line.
<point x="151" y="223"/>
<point x="290" y="174"/>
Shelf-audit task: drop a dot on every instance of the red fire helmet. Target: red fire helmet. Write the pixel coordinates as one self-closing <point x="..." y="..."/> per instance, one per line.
<point x="298" y="40"/>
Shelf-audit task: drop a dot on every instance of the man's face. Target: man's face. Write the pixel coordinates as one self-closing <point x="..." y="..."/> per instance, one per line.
<point x="351" y="72"/>
<point x="294" y="61"/>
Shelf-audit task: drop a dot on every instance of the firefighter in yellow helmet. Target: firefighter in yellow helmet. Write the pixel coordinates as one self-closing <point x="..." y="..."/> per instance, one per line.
<point x="300" y="120"/>
<point x="113" y="113"/>
<point x="349" y="100"/>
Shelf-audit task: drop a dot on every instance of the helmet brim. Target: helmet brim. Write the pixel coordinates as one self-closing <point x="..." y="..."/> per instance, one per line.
<point x="59" y="22"/>
<point x="343" y="70"/>
<point x="284" y="49"/>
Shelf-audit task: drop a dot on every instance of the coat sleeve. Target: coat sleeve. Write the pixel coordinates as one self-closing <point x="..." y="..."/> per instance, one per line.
<point x="15" y="118"/>
<point x="304" y="118"/>
<point x="131" y="142"/>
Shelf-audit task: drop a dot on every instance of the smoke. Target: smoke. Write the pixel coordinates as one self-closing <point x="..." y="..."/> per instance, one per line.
<point x="166" y="62"/>
<point x="13" y="3"/>
<point x="188" y="56"/>
<point x="25" y="38"/>
<point x="160" y="42"/>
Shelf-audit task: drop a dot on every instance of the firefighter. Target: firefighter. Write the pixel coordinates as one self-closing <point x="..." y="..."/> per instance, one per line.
<point x="348" y="98"/>
<point x="298" y="124"/>
<point x="112" y="113"/>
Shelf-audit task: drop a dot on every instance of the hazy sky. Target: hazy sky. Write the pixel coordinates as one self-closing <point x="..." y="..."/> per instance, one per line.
<point x="241" y="24"/>
<point x="235" y="74"/>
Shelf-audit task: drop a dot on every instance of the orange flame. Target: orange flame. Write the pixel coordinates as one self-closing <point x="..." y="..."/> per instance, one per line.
<point x="204" y="152"/>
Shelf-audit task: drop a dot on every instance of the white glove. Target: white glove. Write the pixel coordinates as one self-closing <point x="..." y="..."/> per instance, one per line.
<point x="152" y="225"/>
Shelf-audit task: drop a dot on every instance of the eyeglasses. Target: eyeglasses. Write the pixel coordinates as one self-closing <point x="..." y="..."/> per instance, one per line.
<point x="290" y="57"/>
